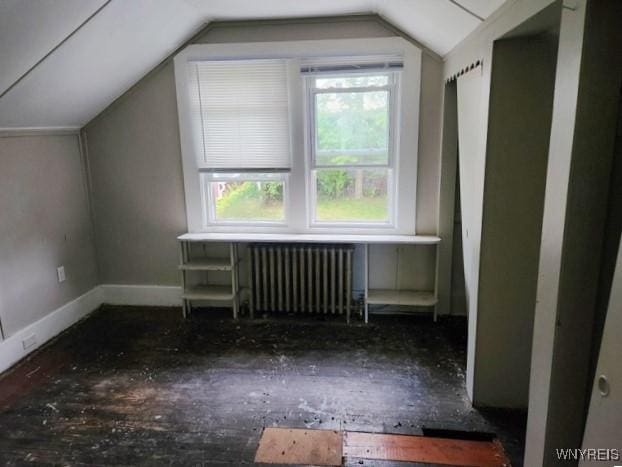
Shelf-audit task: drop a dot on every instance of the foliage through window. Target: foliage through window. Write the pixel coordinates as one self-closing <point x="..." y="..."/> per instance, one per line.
<point x="358" y="194"/>
<point x="246" y="197"/>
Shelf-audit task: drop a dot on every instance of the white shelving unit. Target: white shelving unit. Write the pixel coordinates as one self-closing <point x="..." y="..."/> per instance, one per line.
<point x="402" y="297"/>
<point x="209" y="264"/>
<point x="192" y="291"/>
<point x="196" y="265"/>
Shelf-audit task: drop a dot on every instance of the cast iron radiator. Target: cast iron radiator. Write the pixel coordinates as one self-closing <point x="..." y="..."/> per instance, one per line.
<point x="301" y="278"/>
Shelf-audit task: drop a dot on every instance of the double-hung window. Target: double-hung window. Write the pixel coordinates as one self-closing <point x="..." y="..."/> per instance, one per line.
<point x="352" y="132"/>
<point x="241" y="111"/>
<point x="300" y="137"/>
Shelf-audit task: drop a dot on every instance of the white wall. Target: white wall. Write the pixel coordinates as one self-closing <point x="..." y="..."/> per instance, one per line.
<point x="521" y="105"/>
<point x="585" y="113"/>
<point x="585" y="100"/>
<point x="479" y="47"/>
<point x="45" y="223"/>
<point x="135" y="160"/>
<point x="604" y="418"/>
<point x="137" y="185"/>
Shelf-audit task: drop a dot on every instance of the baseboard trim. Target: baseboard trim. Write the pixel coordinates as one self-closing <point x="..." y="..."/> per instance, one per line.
<point x="39" y="131"/>
<point x="12" y="348"/>
<point x="141" y="295"/>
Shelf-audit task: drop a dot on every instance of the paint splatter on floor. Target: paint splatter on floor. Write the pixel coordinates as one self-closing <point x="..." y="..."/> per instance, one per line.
<point x="140" y="386"/>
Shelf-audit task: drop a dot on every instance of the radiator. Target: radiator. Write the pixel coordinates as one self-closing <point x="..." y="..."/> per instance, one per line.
<point x="301" y="278"/>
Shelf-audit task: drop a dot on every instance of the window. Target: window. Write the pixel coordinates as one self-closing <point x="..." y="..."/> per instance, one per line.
<point x="242" y="117"/>
<point x="352" y="131"/>
<point x="302" y="136"/>
<point x="240" y="197"/>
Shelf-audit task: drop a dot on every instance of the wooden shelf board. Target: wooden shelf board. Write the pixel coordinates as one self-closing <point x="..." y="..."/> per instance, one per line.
<point x="208" y="292"/>
<point x="207" y="264"/>
<point x="401" y="297"/>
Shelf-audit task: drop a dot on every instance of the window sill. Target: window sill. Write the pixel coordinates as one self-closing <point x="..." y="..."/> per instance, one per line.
<point x="309" y="238"/>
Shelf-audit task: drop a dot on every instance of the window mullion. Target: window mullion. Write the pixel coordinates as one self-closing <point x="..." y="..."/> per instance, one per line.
<point x="297" y="183"/>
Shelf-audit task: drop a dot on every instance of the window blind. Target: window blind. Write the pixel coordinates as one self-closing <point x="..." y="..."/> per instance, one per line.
<point x="241" y="110"/>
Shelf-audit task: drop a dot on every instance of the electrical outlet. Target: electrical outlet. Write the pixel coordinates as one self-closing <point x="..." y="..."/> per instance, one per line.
<point x="60" y="271"/>
<point x="29" y="342"/>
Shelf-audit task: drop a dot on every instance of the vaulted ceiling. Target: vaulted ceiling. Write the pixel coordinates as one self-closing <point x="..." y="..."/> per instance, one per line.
<point x="64" y="61"/>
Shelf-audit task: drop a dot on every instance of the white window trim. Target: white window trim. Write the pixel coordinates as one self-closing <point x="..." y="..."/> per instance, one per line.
<point x="298" y="220"/>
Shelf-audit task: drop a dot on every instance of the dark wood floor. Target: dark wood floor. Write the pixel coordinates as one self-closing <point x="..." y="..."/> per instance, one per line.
<point x="137" y="386"/>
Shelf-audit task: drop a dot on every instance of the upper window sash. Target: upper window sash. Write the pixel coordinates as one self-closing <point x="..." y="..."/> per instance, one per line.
<point x="388" y="86"/>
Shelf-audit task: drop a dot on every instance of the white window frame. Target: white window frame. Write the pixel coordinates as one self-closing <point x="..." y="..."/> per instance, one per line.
<point x="393" y="89"/>
<point x="297" y="205"/>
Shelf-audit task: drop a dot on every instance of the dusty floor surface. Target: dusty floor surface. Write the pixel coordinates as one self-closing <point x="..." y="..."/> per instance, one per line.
<point x="139" y="386"/>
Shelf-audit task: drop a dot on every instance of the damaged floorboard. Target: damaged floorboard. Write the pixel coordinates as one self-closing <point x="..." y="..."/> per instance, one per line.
<point x="135" y="386"/>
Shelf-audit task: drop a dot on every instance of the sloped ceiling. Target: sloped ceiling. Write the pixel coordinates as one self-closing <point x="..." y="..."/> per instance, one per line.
<point x="64" y="61"/>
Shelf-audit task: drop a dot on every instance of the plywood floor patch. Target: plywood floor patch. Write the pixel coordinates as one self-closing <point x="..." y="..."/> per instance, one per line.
<point x="299" y="446"/>
<point x="440" y="451"/>
<point x="328" y="447"/>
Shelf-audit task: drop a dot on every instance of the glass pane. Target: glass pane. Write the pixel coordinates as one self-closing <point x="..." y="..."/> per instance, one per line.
<point x="248" y="200"/>
<point x="352" y="81"/>
<point x="352" y="195"/>
<point x="352" y="128"/>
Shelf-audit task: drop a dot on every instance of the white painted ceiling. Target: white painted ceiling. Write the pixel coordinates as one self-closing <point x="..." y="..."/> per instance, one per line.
<point x="108" y="45"/>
